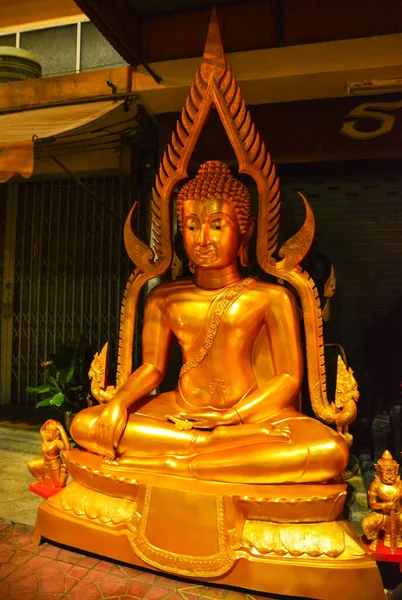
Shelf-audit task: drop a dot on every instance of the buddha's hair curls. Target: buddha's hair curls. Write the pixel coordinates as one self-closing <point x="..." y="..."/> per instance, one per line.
<point x="214" y="180"/>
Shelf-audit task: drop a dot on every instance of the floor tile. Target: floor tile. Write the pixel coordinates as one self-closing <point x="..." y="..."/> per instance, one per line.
<point x="189" y="595"/>
<point x="77" y="572"/>
<point x="37" y="561"/>
<point x="146" y="577"/>
<point x="116" y="587"/>
<point x="18" y="573"/>
<point x="20" y="557"/>
<point x="84" y="590"/>
<point x="88" y="561"/>
<point x="167" y="582"/>
<point x="219" y="593"/>
<point x="158" y="593"/>
<point x="94" y="576"/>
<point x="138" y="589"/>
<point x="4" y="589"/>
<point x="104" y="565"/>
<point x="69" y="556"/>
<point x="26" y="582"/>
<point x="192" y="593"/>
<point x="49" y="550"/>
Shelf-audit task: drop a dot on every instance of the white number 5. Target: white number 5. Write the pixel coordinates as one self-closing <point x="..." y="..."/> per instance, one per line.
<point x="370" y="110"/>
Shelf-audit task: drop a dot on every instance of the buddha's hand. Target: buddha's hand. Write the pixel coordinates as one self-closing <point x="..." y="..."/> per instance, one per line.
<point x="281" y="433"/>
<point x="207" y="419"/>
<point x="109" y="428"/>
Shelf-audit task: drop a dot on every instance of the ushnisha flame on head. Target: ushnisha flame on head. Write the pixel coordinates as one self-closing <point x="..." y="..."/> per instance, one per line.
<point x="214" y="180"/>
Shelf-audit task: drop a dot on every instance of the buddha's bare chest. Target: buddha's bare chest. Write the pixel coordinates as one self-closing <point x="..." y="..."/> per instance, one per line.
<point x="190" y="315"/>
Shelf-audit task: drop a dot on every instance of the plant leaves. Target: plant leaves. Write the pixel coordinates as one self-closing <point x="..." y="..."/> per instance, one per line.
<point x="76" y="388"/>
<point x="45" y="402"/>
<point x="54" y="382"/>
<point x="70" y="374"/>
<point x="39" y="389"/>
<point x="58" y="399"/>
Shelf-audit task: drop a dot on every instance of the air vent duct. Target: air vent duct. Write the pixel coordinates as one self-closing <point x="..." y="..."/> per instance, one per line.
<point x="17" y="65"/>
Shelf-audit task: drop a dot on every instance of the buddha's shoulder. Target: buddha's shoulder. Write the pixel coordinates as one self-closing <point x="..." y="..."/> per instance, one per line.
<point x="273" y="294"/>
<point x="273" y="291"/>
<point x="261" y="291"/>
<point x="163" y="290"/>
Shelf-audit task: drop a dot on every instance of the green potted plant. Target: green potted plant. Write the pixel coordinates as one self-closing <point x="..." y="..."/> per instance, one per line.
<point x="66" y="384"/>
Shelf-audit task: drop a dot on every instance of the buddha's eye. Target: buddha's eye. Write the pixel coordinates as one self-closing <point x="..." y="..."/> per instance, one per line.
<point x="217" y="225"/>
<point x="192" y="225"/>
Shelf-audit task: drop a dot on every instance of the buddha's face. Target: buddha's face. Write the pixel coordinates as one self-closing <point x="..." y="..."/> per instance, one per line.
<point x="211" y="233"/>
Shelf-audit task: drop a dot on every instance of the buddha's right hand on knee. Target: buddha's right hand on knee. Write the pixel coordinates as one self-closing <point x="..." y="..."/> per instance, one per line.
<point x="281" y="433"/>
<point x="109" y="428"/>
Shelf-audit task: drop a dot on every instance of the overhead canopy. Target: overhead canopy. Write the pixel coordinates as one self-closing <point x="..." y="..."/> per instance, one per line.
<point x="18" y="131"/>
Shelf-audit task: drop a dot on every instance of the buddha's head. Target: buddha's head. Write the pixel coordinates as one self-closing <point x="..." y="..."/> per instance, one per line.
<point x="387" y="468"/>
<point x="214" y="214"/>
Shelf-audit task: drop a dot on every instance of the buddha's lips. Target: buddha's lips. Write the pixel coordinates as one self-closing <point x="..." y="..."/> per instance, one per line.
<point x="208" y="252"/>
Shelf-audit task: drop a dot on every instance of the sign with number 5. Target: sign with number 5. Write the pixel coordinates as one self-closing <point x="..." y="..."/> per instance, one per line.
<point x="376" y="111"/>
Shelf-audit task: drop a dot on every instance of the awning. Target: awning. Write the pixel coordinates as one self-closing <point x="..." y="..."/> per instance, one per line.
<point x="17" y="131"/>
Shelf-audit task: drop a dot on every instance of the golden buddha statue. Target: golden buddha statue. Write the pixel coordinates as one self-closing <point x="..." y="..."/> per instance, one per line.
<point x="228" y="420"/>
<point x="222" y="479"/>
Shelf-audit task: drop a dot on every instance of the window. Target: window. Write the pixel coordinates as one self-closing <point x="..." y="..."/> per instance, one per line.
<point x="96" y="52"/>
<point x="8" y="40"/>
<point x="56" y="48"/>
<point x="65" y="48"/>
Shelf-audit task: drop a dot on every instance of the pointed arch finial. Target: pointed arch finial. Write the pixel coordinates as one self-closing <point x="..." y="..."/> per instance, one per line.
<point x="214" y="60"/>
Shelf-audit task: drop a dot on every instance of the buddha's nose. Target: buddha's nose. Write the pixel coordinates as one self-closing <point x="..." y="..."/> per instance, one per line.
<point x="204" y="237"/>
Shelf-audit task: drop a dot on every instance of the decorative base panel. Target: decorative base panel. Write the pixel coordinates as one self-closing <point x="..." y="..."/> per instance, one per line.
<point x="205" y="537"/>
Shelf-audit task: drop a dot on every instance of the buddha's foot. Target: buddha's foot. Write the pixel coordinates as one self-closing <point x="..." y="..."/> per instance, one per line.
<point x="176" y="465"/>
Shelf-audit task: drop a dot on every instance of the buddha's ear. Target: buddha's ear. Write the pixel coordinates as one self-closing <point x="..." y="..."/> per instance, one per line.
<point x="243" y="250"/>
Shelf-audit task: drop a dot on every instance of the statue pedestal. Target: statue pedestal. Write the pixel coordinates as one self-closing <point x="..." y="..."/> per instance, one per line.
<point x="273" y="539"/>
<point x="43" y="490"/>
<point x="384" y="554"/>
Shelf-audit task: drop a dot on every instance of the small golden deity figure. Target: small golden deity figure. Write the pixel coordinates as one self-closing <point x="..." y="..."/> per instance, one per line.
<point x="385" y="498"/>
<point x="50" y="469"/>
<point x="222" y="479"/>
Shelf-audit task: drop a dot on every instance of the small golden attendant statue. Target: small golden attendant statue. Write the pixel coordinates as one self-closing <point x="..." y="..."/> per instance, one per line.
<point x="223" y="478"/>
<point x="50" y="469"/>
<point x="385" y="498"/>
